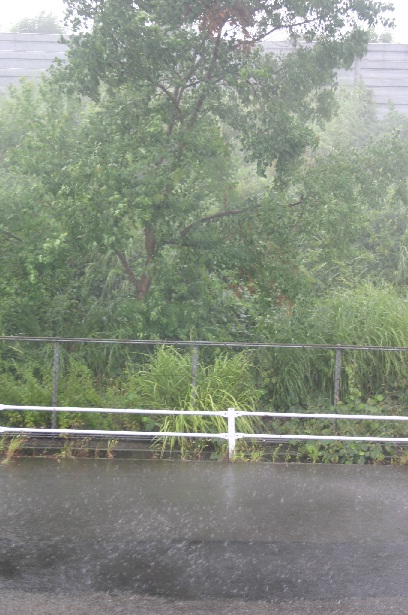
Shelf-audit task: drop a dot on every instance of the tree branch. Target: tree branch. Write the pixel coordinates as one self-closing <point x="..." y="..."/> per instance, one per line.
<point x="172" y="98"/>
<point x="221" y="214"/>
<point x="299" y="202"/>
<point x="142" y="284"/>
<point x="207" y="78"/>
<point x="128" y="269"/>
<point x="10" y="235"/>
<point x="256" y="39"/>
<point x="186" y="79"/>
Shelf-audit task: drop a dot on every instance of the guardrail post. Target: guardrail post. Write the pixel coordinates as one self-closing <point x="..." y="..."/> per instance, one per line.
<point x="231" y="433"/>
<point x="55" y="385"/>
<point x="194" y="369"/>
<point x="337" y="371"/>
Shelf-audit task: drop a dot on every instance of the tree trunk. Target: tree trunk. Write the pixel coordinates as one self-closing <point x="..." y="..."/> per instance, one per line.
<point x="143" y="283"/>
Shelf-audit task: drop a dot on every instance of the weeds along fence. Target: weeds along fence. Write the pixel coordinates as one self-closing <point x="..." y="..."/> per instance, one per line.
<point x="228" y="419"/>
<point x="287" y="370"/>
<point x="284" y="374"/>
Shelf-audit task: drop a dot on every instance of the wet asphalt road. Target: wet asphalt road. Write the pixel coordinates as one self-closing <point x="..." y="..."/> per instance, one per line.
<point x="159" y="537"/>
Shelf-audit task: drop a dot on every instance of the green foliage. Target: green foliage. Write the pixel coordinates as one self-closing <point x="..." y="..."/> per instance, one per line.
<point x="154" y="182"/>
<point x="353" y="125"/>
<point x="363" y="316"/>
<point x="30" y="383"/>
<point x="26" y="385"/>
<point x="166" y="382"/>
<point x="343" y="452"/>
<point x="140" y="213"/>
<point x="381" y="37"/>
<point x="347" y="452"/>
<point x="361" y="198"/>
<point x="196" y="190"/>
<point x="40" y="269"/>
<point x="11" y="447"/>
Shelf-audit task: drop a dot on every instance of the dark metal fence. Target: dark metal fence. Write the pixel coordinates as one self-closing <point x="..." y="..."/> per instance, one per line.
<point x="195" y="346"/>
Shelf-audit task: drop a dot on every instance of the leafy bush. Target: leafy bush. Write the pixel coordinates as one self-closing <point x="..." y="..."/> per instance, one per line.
<point x="347" y="452"/>
<point x="26" y="385"/>
<point x="31" y="384"/>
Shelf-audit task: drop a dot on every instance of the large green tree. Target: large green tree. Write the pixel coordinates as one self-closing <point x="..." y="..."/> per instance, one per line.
<point x="175" y="196"/>
<point x="175" y="84"/>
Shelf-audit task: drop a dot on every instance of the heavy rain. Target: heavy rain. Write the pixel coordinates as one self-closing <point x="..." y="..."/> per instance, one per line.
<point x="203" y="212"/>
<point x="166" y="537"/>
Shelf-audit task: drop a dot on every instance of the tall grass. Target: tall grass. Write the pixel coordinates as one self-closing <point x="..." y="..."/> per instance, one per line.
<point x="365" y="316"/>
<point x="163" y="381"/>
<point x="166" y="383"/>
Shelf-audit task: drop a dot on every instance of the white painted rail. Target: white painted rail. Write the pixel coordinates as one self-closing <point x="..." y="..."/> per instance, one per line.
<point x="230" y="416"/>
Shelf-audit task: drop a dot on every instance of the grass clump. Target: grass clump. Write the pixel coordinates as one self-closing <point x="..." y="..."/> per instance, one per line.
<point x="10" y="447"/>
<point x="363" y="316"/>
<point x="165" y="382"/>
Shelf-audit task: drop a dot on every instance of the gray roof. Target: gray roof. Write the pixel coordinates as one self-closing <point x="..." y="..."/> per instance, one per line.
<point x="384" y="69"/>
<point x="27" y="55"/>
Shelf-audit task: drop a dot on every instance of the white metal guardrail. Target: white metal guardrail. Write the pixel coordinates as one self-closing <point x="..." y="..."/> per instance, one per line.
<point x="230" y="415"/>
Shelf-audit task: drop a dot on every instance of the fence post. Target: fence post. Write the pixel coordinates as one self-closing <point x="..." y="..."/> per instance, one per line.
<point x="194" y="376"/>
<point x="337" y="371"/>
<point x="55" y="385"/>
<point x="231" y="433"/>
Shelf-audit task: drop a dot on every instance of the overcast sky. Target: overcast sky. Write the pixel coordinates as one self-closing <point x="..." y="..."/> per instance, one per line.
<point x="14" y="10"/>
